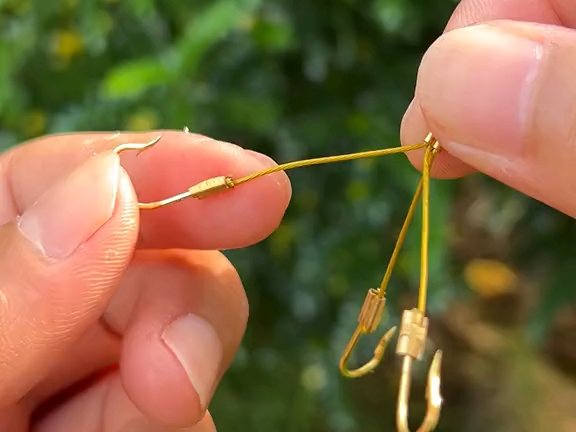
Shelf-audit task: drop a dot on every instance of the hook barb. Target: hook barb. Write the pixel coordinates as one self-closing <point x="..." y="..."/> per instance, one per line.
<point x="368" y="320"/>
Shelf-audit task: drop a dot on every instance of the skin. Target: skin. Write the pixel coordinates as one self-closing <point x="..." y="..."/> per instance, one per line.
<point x="84" y="317"/>
<point x="104" y="312"/>
<point x="497" y="91"/>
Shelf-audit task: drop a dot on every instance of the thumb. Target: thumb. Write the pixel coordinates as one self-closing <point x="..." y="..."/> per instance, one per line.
<point x="58" y="264"/>
<point x="501" y="98"/>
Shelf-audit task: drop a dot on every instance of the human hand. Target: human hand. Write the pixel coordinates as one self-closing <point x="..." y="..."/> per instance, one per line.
<point x="95" y="296"/>
<point x="501" y="97"/>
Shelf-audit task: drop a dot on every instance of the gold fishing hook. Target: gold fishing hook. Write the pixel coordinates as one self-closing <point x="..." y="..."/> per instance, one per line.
<point x="411" y="345"/>
<point x="374" y="306"/>
<point x="433" y="396"/>
<point x="414" y="325"/>
<point x="368" y="321"/>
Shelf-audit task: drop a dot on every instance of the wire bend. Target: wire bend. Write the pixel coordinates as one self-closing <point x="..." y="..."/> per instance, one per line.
<point x="368" y="321"/>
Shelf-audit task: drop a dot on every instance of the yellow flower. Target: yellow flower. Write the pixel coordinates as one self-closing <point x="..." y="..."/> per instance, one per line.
<point x="66" y="44"/>
<point x="490" y="278"/>
<point x="142" y="121"/>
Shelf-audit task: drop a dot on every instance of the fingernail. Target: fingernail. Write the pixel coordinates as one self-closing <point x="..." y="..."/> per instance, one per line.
<point x="197" y="347"/>
<point x="70" y="212"/>
<point x="476" y="84"/>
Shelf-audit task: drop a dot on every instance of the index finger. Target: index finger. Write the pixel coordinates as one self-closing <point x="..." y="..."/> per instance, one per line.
<point x="238" y="218"/>
<point x="470" y="12"/>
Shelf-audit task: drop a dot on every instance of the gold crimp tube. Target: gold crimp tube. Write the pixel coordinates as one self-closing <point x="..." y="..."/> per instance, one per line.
<point x="412" y="335"/>
<point x="211" y="187"/>
<point x="371" y="312"/>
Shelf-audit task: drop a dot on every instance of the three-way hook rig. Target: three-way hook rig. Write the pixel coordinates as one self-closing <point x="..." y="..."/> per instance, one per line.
<point x="413" y="332"/>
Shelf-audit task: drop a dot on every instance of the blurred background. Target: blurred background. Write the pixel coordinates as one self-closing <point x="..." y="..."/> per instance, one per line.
<point x="296" y="79"/>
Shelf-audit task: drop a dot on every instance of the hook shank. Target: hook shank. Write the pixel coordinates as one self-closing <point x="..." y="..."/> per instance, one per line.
<point x="411" y="344"/>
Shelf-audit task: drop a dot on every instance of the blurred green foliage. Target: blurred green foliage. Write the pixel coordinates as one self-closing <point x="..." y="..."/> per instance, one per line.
<point x="293" y="79"/>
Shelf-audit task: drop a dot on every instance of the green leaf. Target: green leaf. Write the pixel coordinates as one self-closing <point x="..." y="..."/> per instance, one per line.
<point x="273" y="36"/>
<point x="207" y="28"/>
<point x="135" y="77"/>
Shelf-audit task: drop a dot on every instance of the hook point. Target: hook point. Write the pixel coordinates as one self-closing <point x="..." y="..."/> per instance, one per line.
<point x="149" y="144"/>
<point x="139" y="147"/>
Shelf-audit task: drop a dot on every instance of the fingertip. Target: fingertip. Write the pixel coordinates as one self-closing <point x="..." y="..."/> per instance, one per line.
<point x="238" y="217"/>
<point x="179" y="341"/>
<point x="206" y="425"/>
<point x="194" y="342"/>
<point x="155" y="380"/>
<point x="414" y="128"/>
<point x="281" y="178"/>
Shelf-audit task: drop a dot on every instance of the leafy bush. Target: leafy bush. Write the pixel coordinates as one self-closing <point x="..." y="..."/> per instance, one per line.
<point x="295" y="79"/>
